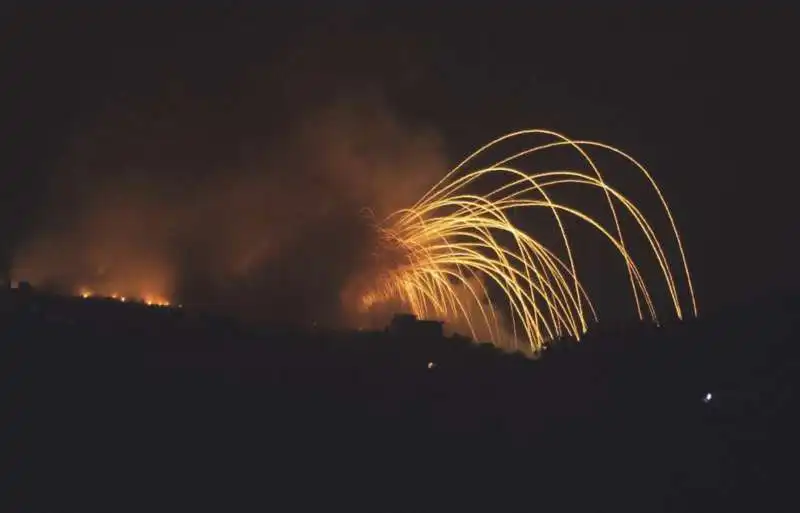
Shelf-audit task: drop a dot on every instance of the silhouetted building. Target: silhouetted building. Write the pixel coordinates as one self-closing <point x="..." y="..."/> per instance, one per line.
<point x="407" y="325"/>
<point x="401" y="322"/>
<point x="5" y="276"/>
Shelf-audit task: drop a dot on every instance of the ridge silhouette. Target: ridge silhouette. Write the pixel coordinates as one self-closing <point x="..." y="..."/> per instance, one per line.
<point x="116" y="405"/>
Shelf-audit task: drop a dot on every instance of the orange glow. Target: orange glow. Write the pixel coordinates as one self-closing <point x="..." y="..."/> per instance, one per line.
<point x="155" y="301"/>
<point x="147" y="299"/>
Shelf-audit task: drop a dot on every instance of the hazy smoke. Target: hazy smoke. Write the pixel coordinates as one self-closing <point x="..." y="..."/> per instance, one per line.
<point x="233" y="177"/>
<point x="181" y="202"/>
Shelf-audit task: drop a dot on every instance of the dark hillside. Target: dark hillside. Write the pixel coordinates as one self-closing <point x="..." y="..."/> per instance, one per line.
<point x="120" y="407"/>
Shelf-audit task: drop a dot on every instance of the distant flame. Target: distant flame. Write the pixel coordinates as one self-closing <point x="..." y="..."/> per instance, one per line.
<point x="147" y="299"/>
<point x="156" y="301"/>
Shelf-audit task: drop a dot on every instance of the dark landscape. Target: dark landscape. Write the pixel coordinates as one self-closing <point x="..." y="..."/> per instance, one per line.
<point x="124" y="407"/>
<point x="246" y="193"/>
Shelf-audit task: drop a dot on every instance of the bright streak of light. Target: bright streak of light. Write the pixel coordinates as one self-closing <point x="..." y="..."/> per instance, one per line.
<point x="455" y="243"/>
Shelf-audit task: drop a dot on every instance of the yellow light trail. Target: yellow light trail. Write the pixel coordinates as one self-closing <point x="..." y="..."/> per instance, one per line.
<point x="456" y="243"/>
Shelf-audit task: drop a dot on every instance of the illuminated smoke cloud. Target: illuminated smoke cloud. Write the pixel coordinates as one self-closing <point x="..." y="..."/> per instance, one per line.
<point x="169" y="204"/>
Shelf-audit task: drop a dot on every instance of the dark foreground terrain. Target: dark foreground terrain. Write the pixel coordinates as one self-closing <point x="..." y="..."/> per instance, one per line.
<point x="119" y="407"/>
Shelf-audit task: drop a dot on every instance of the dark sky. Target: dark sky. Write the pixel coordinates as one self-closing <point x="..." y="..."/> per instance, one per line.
<point x="705" y="97"/>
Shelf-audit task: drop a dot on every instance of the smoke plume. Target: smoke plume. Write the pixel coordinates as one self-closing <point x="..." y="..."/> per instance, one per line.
<point x="175" y="198"/>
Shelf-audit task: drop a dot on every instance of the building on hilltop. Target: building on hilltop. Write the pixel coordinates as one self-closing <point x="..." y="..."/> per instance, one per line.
<point x="5" y="276"/>
<point x="409" y="326"/>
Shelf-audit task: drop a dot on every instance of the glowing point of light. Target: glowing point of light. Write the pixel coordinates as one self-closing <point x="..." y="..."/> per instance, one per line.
<point x="431" y="365"/>
<point x="707" y="398"/>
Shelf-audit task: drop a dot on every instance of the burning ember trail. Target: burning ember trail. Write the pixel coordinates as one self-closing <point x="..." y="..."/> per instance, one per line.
<point x="455" y="243"/>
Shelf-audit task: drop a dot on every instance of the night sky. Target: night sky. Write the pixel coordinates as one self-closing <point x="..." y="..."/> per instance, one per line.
<point x="101" y="101"/>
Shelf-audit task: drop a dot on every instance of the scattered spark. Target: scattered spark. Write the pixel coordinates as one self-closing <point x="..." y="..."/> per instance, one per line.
<point x="707" y="398"/>
<point x="431" y="365"/>
<point x="455" y="241"/>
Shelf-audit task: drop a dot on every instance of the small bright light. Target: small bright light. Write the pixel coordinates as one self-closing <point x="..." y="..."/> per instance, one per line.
<point x="122" y="299"/>
<point x="707" y="398"/>
<point x="431" y="365"/>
